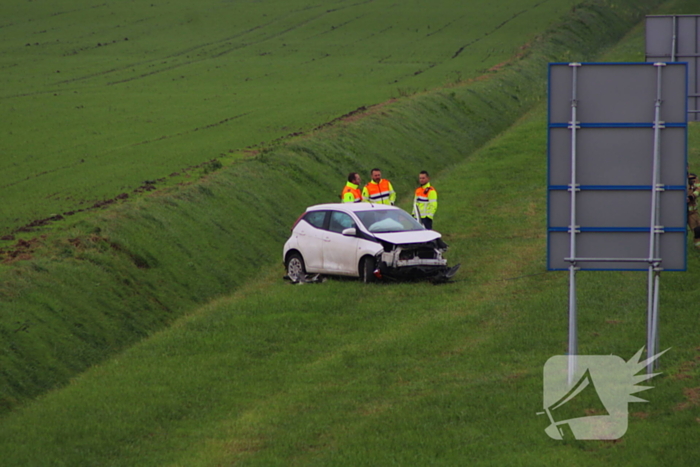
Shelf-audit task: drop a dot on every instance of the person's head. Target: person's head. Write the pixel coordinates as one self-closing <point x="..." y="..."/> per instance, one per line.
<point x="376" y="175"/>
<point x="692" y="179"/>
<point x="423" y="177"/>
<point x="354" y="177"/>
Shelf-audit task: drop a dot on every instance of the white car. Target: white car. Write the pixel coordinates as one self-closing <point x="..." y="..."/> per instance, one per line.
<point x="369" y="241"/>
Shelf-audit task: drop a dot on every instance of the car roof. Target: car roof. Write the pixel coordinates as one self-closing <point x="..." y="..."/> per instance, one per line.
<point x="350" y="207"/>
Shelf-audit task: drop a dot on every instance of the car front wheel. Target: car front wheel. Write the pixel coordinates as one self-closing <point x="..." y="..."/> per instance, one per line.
<point x="367" y="269"/>
<point x="296" y="271"/>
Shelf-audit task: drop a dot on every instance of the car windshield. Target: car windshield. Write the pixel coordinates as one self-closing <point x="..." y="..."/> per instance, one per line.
<point x="389" y="220"/>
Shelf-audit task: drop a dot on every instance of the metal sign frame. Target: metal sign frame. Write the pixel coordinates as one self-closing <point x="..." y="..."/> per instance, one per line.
<point x="647" y="112"/>
<point x="674" y="38"/>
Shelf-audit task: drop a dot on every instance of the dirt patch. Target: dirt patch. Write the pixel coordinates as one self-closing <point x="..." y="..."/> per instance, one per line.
<point x="681" y="376"/>
<point x="523" y="51"/>
<point x="100" y="204"/>
<point x="20" y="251"/>
<point x="352" y="116"/>
<point x="692" y="396"/>
<point x="687" y="368"/>
<point x="39" y="223"/>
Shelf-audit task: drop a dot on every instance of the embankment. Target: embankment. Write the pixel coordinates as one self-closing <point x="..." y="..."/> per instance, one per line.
<point x="85" y="293"/>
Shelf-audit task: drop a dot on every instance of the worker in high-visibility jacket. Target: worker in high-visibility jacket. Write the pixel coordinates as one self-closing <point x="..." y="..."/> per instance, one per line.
<point x="378" y="190"/>
<point x="351" y="191"/>
<point x="693" y="215"/>
<point x="425" y="202"/>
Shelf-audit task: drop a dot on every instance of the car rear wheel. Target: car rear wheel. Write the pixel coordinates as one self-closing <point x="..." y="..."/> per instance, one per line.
<point x="367" y="266"/>
<point x="296" y="271"/>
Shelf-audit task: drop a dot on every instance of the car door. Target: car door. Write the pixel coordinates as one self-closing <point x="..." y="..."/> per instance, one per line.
<point x="310" y="239"/>
<point x="340" y="251"/>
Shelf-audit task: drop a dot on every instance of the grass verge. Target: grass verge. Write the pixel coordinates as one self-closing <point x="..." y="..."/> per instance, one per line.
<point x="79" y="295"/>
<point x="343" y="373"/>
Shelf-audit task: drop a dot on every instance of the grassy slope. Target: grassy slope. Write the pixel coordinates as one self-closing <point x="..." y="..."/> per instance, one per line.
<point x="409" y="374"/>
<point x="343" y="374"/>
<point x="97" y="98"/>
<point x="117" y="277"/>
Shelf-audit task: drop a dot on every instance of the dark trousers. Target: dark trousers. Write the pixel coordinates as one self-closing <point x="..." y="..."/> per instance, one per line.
<point x="427" y="222"/>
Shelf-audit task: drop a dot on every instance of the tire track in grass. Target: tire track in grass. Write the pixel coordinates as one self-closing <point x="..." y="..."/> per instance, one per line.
<point x="469" y="44"/>
<point x="183" y="133"/>
<point x="373" y="34"/>
<point x="461" y="49"/>
<point x="350" y="6"/>
<point x="212" y="54"/>
<point x="220" y="44"/>
<point x="59" y="13"/>
<point x="450" y="23"/>
<point x="138" y="64"/>
<point x="335" y="28"/>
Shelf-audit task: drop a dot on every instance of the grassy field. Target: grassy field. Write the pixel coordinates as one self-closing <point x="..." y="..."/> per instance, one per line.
<point x="343" y="373"/>
<point x="98" y="98"/>
<point x="338" y="373"/>
<point x="72" y="297"/>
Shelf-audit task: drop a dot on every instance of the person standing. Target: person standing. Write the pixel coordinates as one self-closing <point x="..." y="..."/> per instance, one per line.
<point x="425" y="202"/>
<point x="693" y="215"/>
<point x="351" y="191"/>
<point x="378" y="190"/>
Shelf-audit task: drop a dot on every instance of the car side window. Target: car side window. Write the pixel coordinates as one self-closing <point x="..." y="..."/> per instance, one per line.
<point x="315" y="218"/>
<point x="340" y="221"/>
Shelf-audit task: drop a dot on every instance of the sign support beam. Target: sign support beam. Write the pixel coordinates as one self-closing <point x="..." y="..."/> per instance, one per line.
<point x="573" y="187"/>
<point x="654" y="276"/>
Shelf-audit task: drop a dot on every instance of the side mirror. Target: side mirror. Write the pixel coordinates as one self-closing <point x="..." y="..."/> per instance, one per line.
<point x="351" y="232"/>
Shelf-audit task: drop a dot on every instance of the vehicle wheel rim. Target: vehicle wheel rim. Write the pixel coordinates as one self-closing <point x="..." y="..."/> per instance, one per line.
<point x="294" y="269"/>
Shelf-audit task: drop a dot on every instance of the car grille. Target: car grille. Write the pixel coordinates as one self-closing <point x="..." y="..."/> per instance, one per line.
<point x="422" y="253"/>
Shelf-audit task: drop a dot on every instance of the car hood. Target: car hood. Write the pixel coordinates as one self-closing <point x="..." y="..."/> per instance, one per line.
<point x="402" y="238"/>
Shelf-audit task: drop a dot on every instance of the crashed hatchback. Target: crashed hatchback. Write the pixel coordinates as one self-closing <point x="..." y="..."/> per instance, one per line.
<point x="364" y="240"/>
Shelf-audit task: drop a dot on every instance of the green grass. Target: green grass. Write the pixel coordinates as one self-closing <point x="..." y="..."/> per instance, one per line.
<point x="342" y="373"/>
<point x="337" y="373"/>
<point x="107" y="280"/>
<point x="72" y="297"/>
<point x="98" y="98"/>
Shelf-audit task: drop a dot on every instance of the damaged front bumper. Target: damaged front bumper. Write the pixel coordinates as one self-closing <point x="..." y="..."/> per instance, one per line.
<point x="414" y="262"/>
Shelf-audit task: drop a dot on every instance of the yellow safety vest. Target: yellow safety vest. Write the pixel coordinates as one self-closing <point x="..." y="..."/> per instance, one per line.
<point x="351" y="193"/>
<point x="379" y="193"/>
<point x="426" y="201"/>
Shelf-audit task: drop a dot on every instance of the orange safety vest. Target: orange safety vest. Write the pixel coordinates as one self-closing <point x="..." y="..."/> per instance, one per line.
<point x="379" y="193"/>
<point x="352" y="189"/>
<point x="426" y="200"/>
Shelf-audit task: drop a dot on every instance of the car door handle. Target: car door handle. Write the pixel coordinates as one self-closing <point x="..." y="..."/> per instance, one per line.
<point x="326" y="238"/>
